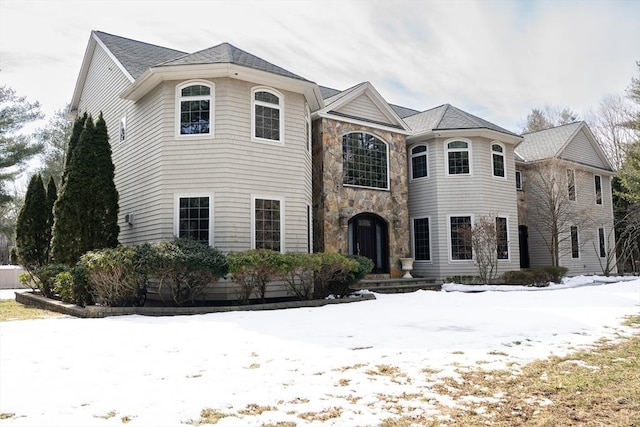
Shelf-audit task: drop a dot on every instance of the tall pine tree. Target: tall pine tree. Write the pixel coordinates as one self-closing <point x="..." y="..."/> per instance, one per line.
<point x="31" y="231"/>
<point x="76" y="131"/>
<point x="86" y="212"/>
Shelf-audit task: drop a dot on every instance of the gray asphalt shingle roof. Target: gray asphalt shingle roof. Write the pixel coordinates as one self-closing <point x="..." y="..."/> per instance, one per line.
<point x="546" y="143"/>
<point x="226" y="53"/>
<point x="448" y="117"/>
<point x="136" y="57"/>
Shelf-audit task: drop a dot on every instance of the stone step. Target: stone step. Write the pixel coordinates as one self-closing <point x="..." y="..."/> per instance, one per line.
<point x="398" y="285"/>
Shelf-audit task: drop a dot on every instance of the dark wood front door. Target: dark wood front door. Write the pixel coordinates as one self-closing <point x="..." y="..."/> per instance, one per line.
<point x="368" y="237"/>
<point x="523" y="237"/>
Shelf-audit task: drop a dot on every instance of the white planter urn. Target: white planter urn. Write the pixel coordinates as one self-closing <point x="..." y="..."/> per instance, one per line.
<point x="407" y="266"/>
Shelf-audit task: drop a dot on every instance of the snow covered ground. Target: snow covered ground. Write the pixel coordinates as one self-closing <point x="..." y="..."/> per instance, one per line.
<point x="342" y="363"/>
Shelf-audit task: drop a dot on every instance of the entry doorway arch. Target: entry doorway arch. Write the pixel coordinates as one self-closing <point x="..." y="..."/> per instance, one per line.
<point x="369" y="237"/>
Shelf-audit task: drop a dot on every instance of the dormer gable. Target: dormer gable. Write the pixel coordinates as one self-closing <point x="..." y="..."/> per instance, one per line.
<point x="363" y="104"/>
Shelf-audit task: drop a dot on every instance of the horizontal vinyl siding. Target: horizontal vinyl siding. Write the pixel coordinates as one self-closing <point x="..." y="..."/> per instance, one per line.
<point x="479" y="194"/>
<point x="136" y="159"/>
<point x="234" y="168"/>
<point x="363" y="107"/>
<point x="580" y="150"/>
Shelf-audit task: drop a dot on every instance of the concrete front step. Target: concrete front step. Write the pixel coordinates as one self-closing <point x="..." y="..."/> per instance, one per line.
<point x="388" y="286"/>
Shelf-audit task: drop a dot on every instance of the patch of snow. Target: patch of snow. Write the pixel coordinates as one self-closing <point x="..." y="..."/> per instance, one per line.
<point x="367" y="359"/>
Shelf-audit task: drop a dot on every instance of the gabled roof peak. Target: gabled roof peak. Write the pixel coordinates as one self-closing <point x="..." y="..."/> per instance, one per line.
<point x="554" y="128"/>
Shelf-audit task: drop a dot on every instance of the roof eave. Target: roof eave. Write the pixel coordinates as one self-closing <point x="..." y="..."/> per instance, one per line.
<point x="156" y="75"/>
<point x="484" y="132"/>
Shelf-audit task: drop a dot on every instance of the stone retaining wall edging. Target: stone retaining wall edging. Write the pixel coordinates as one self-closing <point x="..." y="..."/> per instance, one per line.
<point x="30" y="298"/>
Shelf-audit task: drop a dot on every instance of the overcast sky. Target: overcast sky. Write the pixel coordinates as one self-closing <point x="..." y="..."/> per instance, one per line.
<point x="495" y="59"/>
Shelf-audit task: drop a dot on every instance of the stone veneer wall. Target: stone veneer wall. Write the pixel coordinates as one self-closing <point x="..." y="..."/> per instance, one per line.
<point x="331" y="199"/>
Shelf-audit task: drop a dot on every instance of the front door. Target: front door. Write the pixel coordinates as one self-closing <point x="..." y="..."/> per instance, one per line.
<point x="368" y="237"/>
<point x="523" y="237"/>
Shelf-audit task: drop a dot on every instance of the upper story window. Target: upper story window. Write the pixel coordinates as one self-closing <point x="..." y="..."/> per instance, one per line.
<point x="365" y="161"/>
<point x="195" y="107"/>
<point x="419" y="168"/>
<point x="497" y="160"/>
<point x="518" y="180"/>
<point x="597" y="182"/>
<point x="571" y="184"/>
<point x="458" y="158"/>
<point x="266" y="117"/>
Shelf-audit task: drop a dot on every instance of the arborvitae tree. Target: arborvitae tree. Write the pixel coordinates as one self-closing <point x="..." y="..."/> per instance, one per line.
<point x="31" y="230"/>
<point x="76" y="131"/>
<point x="52" y="196"/>
<point x="86" y="213"/>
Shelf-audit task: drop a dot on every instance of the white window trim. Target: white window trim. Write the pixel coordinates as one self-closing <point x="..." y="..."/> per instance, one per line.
<point x="212" y="109"/>
<point x="571" y="243"/>
<point x="458" y="261"/>
<point x="279" y="107"/>
<point x="595" y="191"/>
<point x="413" y="240"/>
<point x="310" y="228"/>
<point x="446" y="157"/>
<point x="176" y="212"/>
<point x="606" y="243"/>
<point x="123" y="129"/>
<point x="508" y="259"/>
<point x="411" y="156"/>
<point x="504" y="160"/>
<point x="575" y="186"/>
<point x="519" y="172"/>
<point x="282" y="216"/>
<point x="388" y="188"/>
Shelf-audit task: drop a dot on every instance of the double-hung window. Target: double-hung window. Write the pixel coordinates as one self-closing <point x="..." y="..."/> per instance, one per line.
<point x="267" y="118"/>
<point x="460" y="235"/>
<point x="195" y="108"/>
<point x="502" y="238"/>
<point x="571" y="184"/>
<point x="575" y="243"/>
<point x="194" y="218"/>
<point x="497" y="160"/>
<point x="419" y="162"/>
<point x="365" y="161"/>
<point x="268" y="218"/>
<point x="421" y="239"/>
<point x="597" y="182"/>
<point x="518" y="180"/>
<point x="458" y="158"/>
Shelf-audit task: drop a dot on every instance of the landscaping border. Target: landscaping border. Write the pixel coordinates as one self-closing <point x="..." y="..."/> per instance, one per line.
<point x="94" y="311"/>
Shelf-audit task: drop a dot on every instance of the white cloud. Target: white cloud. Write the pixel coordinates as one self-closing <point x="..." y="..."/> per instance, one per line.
<point x="494" y="59"/>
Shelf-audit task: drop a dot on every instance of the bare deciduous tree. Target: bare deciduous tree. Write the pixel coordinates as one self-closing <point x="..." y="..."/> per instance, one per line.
<point x="551" y="199"/>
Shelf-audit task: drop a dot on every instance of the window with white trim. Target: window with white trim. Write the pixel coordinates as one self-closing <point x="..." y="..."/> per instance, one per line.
<point x="365" y="161"/>
<point x="419" y="162"/>
<point x="267" y="224"/>
<point x="194" y="218"/>
<point x="571" y="184"/>
<point x="460" y="238"/>
<point x="123" y="129"/>
<point x="458" y="158"/>
<point x="597" y="182"/>
<point x="421" y="239"/>
<point x="266" y="115"/>
<point x="497" y="160"/>
<point x="502" y="238"/>
<point x="602" y="243"/>
<point x="575" y="243"/>
<point x="518" y="180"/>
<point x="195" y="108"/>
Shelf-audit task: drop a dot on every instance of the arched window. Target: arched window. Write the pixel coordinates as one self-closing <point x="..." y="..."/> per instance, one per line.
<point x="195" y="108"/>
<point x="365" y="161"/>
<point x="266" y="116"/>
<point x="497" y="160"/>
<point x="419" y="162"/>
<point x="458" y="158"/>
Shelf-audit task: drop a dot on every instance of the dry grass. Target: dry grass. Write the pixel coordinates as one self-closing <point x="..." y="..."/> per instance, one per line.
<point x="12" y="310"/>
